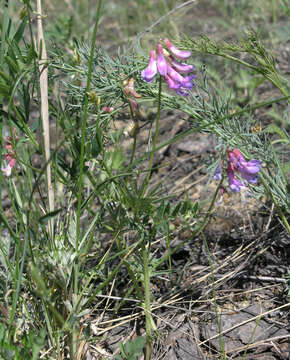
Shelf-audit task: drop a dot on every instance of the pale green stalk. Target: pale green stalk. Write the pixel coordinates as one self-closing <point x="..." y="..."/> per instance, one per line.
<point x="83" y="130"/>
<point x="146" y="181"/>
<point x="73" y="347"/>
<point x="147" y="305"/>
<point x="221" y="342"/>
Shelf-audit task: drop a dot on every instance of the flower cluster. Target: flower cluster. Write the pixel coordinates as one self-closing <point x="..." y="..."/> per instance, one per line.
<point x="171" y="70"/>
<point x="248" y="170"/>
<point x="10" y="155"/>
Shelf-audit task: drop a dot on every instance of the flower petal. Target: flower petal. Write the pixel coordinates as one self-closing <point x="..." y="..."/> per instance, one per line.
<point x="171" y="83"/>
<point x="149" y="73"/>
<point x="180" y="54"/>
<point x="161" y="62"/>
<point x="181" y="67"/>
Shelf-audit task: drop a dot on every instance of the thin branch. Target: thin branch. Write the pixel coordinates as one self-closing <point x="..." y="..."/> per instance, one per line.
<point x="43" y="81"/>
<point x="162" y="18"/>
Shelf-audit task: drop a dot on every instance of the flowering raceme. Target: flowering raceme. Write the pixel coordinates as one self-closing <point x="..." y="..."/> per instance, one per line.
<point x="237" y="164"/>
<point x="172" y="70"/>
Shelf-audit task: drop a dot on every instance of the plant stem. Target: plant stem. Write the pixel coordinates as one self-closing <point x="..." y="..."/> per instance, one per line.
<point x="146" y="181"/>
<point x="84" y="124"/>
<point x="82" y="161"/>
<point x="43" y="81"/>
<point x="221" y="342"/>
<point x="147" y="305"/>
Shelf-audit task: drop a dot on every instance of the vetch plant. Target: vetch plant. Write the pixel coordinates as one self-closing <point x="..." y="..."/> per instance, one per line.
<point x="115" y="221"/>
<point x="171" y="70"/>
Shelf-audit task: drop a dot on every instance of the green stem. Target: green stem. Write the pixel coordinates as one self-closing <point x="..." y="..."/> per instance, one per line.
<point x="130" y="271"/>
<point x="221" y="342"/>
<point x="146" y="181"/>
<point x="147" y="305"/>
<point x="134" y="135"/>
<point x="83" y="130"/>
<point x="82" y="161"/>
<point x="133" y="149"/>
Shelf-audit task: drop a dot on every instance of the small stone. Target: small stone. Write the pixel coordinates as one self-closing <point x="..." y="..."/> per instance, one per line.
<point x="196" y="147"/>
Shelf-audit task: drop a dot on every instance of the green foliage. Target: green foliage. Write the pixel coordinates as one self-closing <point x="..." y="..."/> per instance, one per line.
<point x="132" y="349"/>
<point x="27" y="347"/>
<point x="264" y="64"/>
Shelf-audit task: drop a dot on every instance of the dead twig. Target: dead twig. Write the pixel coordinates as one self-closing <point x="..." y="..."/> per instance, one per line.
<point x="43" y="82"/>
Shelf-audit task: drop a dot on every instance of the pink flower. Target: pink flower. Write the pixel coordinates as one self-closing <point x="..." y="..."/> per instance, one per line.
<point x="175" y="76"/>
<point x="161" y="62"/>
<point x="180" y="54"/>
<point x="151" y="70"/>
<point x="8" y="169"/>
<point x="172" y="72"/>
<point x="180" y="67"/>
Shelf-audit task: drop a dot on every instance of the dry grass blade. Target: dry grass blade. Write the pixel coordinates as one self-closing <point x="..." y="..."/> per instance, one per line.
<point x="244" y="322"/>
<point x="43" y="81"/>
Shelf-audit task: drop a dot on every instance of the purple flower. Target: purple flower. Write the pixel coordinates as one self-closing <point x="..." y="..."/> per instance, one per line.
<point x="161" y="62"/>
<point x="218" y="172"/>
<point x="151" y="70"/>
<point x="180" y="54"/>
<point x="248" y="169"/>
<point x="182" y="92"/>
<point x="187" y="83"/>
<point x="181" y="67"/>
<point x="234" y="183"/>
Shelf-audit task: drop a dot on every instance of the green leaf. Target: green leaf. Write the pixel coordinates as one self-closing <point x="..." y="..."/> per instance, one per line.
<point x="43" y="219"/>
<point x="286" y="167"/>
<point x="118" y="159"/>
<point x="4" y="90"/>
<point x="19" y="33"/>
<point x="132" y="350"/>
<point x="272" y="128"/>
